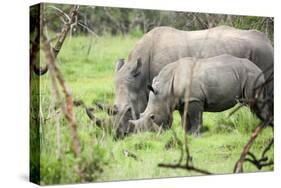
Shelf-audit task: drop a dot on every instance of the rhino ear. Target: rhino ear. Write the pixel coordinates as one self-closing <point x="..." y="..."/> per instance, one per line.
<point x="136" y="70"/>
<point x="150" y="88"/>
<point x="119" y="64"/>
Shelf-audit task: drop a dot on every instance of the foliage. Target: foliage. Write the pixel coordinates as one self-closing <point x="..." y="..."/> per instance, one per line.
<point x="243" y="121"/>
<point x="116" y="21"/>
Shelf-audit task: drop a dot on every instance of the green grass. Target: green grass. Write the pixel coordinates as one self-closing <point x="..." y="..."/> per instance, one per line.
<point x="88" y="67"/>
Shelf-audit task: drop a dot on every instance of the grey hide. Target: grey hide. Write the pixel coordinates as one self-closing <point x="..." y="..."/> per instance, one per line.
<point x="211" y="85"/>
<point x="164" y="45"/>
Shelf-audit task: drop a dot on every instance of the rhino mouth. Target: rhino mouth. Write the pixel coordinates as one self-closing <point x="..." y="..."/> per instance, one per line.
<point x="122" y="121"/>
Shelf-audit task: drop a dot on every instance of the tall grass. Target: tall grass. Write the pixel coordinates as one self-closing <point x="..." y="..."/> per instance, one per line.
<point x="88" y="66"/>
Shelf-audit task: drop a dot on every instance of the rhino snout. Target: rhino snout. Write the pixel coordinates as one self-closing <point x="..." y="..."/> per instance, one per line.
<point x="132" y="125"/>
<point x="136" y="125"/>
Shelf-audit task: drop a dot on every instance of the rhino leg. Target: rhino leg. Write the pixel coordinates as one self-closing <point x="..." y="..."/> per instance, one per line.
<point x="194" y="118"/>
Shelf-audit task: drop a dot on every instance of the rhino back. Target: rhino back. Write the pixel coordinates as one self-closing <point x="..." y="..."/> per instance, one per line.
<point x="164" y="45"/>
<point x="216" y="82"/>
<point x="168" y="45"/>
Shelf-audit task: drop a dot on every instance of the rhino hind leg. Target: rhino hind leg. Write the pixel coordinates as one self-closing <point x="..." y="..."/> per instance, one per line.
<point x="194" y="118"/>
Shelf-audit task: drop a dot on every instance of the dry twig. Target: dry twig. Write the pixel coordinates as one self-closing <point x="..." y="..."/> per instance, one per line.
<point x="89" y="111"/>
<point x="239" y="164"/>
<point x="72" y="18"/>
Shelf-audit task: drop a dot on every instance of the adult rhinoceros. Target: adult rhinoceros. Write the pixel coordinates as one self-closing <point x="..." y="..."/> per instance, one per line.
<point x="164" y="45"/>
<point x="210" y="84"/>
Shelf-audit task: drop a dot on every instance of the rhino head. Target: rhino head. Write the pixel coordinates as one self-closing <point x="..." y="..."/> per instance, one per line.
<point x="131" y="94"/>
<point x="263" y="97"/>
<point x="158" y="113"/>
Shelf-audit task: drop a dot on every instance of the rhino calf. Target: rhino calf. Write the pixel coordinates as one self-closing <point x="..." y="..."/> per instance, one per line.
<point x="211" y="85"/>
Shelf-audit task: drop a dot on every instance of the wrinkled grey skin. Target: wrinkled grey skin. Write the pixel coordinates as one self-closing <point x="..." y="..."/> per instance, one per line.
<point x="213" y="85"/>
<point x="164" y="45"/>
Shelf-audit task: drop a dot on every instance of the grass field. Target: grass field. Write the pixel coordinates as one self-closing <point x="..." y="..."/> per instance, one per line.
<point x="88" y="67"/>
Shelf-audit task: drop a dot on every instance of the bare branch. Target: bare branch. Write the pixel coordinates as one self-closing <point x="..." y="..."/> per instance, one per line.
<point x="108" y="109"/>
<point x="262" y="162"/>
<point x="61" y="12"/>
<point x="65" y="30"/>
<point x="89" y="111"/>
<point x="238" y="168"/>
<point x="35" y="46"/>
<point x="185" y="167"/>
<point x="88" y="29"/>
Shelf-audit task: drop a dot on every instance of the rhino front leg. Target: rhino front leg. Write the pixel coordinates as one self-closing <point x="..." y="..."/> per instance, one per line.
<point x="194" y="118"/>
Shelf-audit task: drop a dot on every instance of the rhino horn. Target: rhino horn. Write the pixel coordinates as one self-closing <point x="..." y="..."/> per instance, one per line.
<point x="172" y="85"/>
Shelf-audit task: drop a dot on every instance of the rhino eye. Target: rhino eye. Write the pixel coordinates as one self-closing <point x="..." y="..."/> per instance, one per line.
<point x="152" y="116"/>
<point x="136" y="74"/>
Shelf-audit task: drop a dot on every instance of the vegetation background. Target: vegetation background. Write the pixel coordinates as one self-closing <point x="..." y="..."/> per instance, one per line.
<point x="100" y="36"/>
